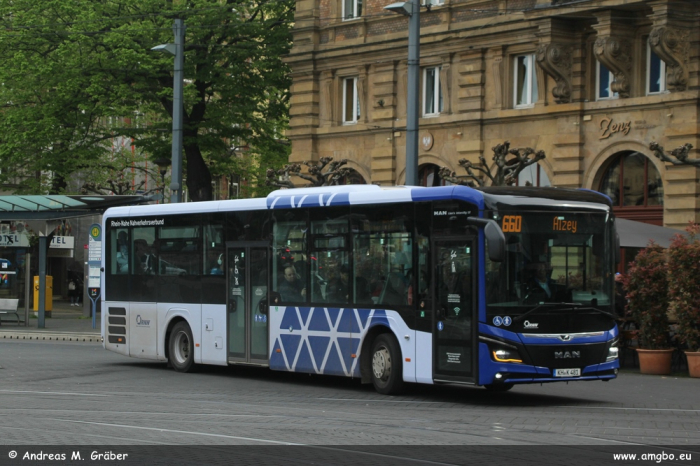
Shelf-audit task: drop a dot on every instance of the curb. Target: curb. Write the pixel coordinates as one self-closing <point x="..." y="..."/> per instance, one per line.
<point x="35" y="336"/>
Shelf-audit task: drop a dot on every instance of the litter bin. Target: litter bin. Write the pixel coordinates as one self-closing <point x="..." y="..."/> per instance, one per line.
<point x="48" y="305"/>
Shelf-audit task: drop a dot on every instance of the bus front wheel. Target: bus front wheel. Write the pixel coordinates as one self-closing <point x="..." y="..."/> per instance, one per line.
<point x="181" y="348"/>
<point x="387" y="370"/>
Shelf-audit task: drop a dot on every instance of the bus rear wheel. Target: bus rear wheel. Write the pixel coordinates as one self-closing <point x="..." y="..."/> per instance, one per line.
<point x="181" y="346"/>
<point x="387" y="370"/>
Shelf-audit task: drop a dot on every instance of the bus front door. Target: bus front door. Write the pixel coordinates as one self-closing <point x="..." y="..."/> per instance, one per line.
<point x="454" y="314"/>
<point x="246" y="305"/>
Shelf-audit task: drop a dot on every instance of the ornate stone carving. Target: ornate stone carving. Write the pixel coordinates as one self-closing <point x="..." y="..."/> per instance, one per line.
<point x="671" y="45"/>
<point x="556" y="60"/>
<point x="616" y="55"/>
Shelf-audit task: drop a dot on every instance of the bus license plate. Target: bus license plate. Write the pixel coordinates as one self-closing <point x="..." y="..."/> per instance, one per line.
<point x="567" y="372"/>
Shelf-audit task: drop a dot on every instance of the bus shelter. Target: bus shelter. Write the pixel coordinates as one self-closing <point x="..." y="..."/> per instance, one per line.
<point x="48" y="208"/>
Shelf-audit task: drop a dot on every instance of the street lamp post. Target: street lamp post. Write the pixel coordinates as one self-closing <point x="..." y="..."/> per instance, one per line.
<point x="162" y="164"/>
<point x="176" y="49"/>
<point x="411" y="9"/>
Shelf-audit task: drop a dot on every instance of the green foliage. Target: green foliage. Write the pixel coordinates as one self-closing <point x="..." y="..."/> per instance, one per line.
<point x="647" y="294"/>
<point x="76" y="74"/>
<point x="684" y="285"/>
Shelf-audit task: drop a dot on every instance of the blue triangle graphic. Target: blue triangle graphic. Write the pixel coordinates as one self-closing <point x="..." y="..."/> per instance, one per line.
<point x="290" y="319"/>
<point x="347" y="321"/>
<point x="304" y="363"/>
<point x="319" y="322"/>
<point x="333" y="365"/>
<point x="290" y="343"/>
<point x="333" y="313"/>
<point x="304" y="312"/>
<point x="364" y="315"/>
<point x="348" y="346"/>
<point x="319" y="345"/>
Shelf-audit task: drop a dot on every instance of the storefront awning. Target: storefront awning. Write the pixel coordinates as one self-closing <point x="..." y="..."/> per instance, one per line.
<point x="637" y="234"/>
<point x="52" y="207"/>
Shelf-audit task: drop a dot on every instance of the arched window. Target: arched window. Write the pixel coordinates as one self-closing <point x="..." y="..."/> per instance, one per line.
<point x="429" y="175"/>
<point x="533" y="175"/>
<point x="635" y="187"/>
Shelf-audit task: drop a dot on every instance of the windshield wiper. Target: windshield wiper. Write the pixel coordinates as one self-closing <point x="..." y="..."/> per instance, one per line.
<point x="541" y="305"/>
<point x="600" y="311"/>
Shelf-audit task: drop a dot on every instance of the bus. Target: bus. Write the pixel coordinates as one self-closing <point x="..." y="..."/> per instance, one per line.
<point x="490" y="287"/>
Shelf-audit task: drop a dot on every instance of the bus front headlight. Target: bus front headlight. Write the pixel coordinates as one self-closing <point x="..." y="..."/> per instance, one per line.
<point x="506" y="355"/>
<point x="613" y="353"/>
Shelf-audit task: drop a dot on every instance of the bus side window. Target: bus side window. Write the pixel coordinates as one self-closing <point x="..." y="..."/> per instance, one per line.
<point x="122" y="252"/>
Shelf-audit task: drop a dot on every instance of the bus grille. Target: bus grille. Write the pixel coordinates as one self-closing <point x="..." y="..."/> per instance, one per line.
<point x="116" y="330"/>
<point x="565" y="356"/>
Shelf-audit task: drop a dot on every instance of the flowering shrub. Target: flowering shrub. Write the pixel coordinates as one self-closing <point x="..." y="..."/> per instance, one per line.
<point x="647" y="294"/>
<point x="684" y="285"/>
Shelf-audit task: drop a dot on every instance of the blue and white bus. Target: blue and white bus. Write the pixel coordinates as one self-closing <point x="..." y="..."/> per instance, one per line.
<point x="491" y="287"/>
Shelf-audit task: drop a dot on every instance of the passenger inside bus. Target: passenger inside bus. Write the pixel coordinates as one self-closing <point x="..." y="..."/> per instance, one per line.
<point x="146" y="257"/>
<point x="122" y="252"/>
<point x="291" y="287"/>
<point x="218" y="268"/>
<point x="339" y="288"/>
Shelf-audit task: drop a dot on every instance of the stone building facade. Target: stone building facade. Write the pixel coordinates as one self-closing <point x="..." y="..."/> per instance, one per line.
<point x="590" y="82"/>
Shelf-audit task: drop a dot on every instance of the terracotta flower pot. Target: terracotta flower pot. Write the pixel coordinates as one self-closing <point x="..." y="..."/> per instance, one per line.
<point x="655" y="362"/>
<point x="693" y="363"/>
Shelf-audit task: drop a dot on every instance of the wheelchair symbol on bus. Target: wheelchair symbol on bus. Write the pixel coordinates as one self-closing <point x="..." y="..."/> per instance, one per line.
<point x="497" y="321"/>
<point x="441" y="325"/>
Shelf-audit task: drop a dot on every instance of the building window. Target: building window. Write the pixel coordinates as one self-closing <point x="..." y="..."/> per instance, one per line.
<point x="604" y="80"/>
<point x="351" y="177"/>
<point x="656" y="73"/>
<point x="429" y="176"/>
<point x="352" y="9"/>
<point x="351" y="104"/>
<point x="432" y="93"/>
<point x="525" y="81"/>
<point x="533" y="175"/>
<point x="432" y="2"/>
<point x="631" y="181"/>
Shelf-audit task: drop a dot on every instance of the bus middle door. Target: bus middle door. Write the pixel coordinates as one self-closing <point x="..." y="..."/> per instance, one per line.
<point x="246" y="302"/>
<point x="455" y="316"/>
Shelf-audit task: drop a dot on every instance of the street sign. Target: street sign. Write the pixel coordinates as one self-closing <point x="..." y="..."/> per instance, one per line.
<point x="94" y="255"/>
<point x="94" y="265"/>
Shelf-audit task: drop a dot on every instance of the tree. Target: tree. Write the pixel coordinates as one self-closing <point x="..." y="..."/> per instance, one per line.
<point x="679" y="154"/>
<point x="76" y="74"/>
<point x="507" y="170"/>
<point x="325" y="172"/>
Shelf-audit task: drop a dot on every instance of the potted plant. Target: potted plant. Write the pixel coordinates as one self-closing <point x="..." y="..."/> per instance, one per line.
<point x="647" y="294"/>
<point x="684" y="292"/>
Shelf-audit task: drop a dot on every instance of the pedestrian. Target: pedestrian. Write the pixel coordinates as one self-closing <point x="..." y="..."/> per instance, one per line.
<point x="73" y="291"/>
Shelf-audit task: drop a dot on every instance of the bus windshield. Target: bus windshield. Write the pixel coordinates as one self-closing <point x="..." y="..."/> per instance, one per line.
<point x="551" y="257"/>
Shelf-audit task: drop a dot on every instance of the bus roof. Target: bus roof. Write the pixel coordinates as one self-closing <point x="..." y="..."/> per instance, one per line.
<point x="327" y="196"/>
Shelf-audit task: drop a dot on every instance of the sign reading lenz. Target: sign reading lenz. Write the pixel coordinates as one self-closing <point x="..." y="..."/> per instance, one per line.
<point x="608" y="127"/>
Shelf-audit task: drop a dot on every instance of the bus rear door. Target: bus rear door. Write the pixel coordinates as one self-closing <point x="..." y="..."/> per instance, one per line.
<point x="455" y="311"/>
<point x="246" y="304"/>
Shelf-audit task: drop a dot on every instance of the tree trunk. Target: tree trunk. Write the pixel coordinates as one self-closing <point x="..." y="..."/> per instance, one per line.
<point x="198" y="175"/>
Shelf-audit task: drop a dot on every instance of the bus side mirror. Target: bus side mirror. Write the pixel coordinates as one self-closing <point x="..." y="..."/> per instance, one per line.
<point x="495" y="239"/>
